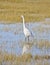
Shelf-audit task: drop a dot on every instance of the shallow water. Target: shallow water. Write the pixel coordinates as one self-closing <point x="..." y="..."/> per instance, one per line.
<point x="12" y="38"/>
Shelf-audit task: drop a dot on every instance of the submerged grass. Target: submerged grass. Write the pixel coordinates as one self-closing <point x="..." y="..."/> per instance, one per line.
<point x="41" y="43"/>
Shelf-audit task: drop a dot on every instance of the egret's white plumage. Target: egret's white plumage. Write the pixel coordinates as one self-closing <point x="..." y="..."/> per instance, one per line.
<point x="26" y="31"/>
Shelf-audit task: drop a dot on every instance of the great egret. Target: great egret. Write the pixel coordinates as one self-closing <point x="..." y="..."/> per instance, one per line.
<point x="26" y="31"/>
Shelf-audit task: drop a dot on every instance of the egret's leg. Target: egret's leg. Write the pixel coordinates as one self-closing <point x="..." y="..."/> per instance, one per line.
<point x="25" y="38"/>
<point x="28" y="38"/>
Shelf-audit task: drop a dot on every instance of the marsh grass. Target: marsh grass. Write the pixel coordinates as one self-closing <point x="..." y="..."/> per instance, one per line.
<point x="11" y="10"/>
<point x="43" y="43"/>
<point x="36" y="57"/>
<point x="25" y="59"/>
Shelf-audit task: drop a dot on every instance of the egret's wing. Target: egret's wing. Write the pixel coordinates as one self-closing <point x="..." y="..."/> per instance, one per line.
<point x="27" y="31"/>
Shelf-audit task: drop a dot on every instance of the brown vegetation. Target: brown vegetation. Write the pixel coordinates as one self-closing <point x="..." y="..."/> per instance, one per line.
<point x="9" y="59"/>
<point x="11" y="10"/>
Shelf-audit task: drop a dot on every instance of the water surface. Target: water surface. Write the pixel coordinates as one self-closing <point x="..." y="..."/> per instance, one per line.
<point x="12" y="38"/>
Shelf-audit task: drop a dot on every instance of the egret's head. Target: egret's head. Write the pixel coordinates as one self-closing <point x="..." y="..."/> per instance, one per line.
<point x="22" y="16"/>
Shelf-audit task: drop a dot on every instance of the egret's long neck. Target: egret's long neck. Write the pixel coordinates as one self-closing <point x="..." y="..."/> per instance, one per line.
<point x="23" y="23"/>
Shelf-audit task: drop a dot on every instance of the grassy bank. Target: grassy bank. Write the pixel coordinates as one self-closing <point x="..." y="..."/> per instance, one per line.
<point x="9" y="59"/>
<point x="11" y="10"/>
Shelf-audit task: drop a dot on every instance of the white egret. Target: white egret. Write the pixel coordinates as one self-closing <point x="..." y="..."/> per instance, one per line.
<point x="26" y="31"/>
